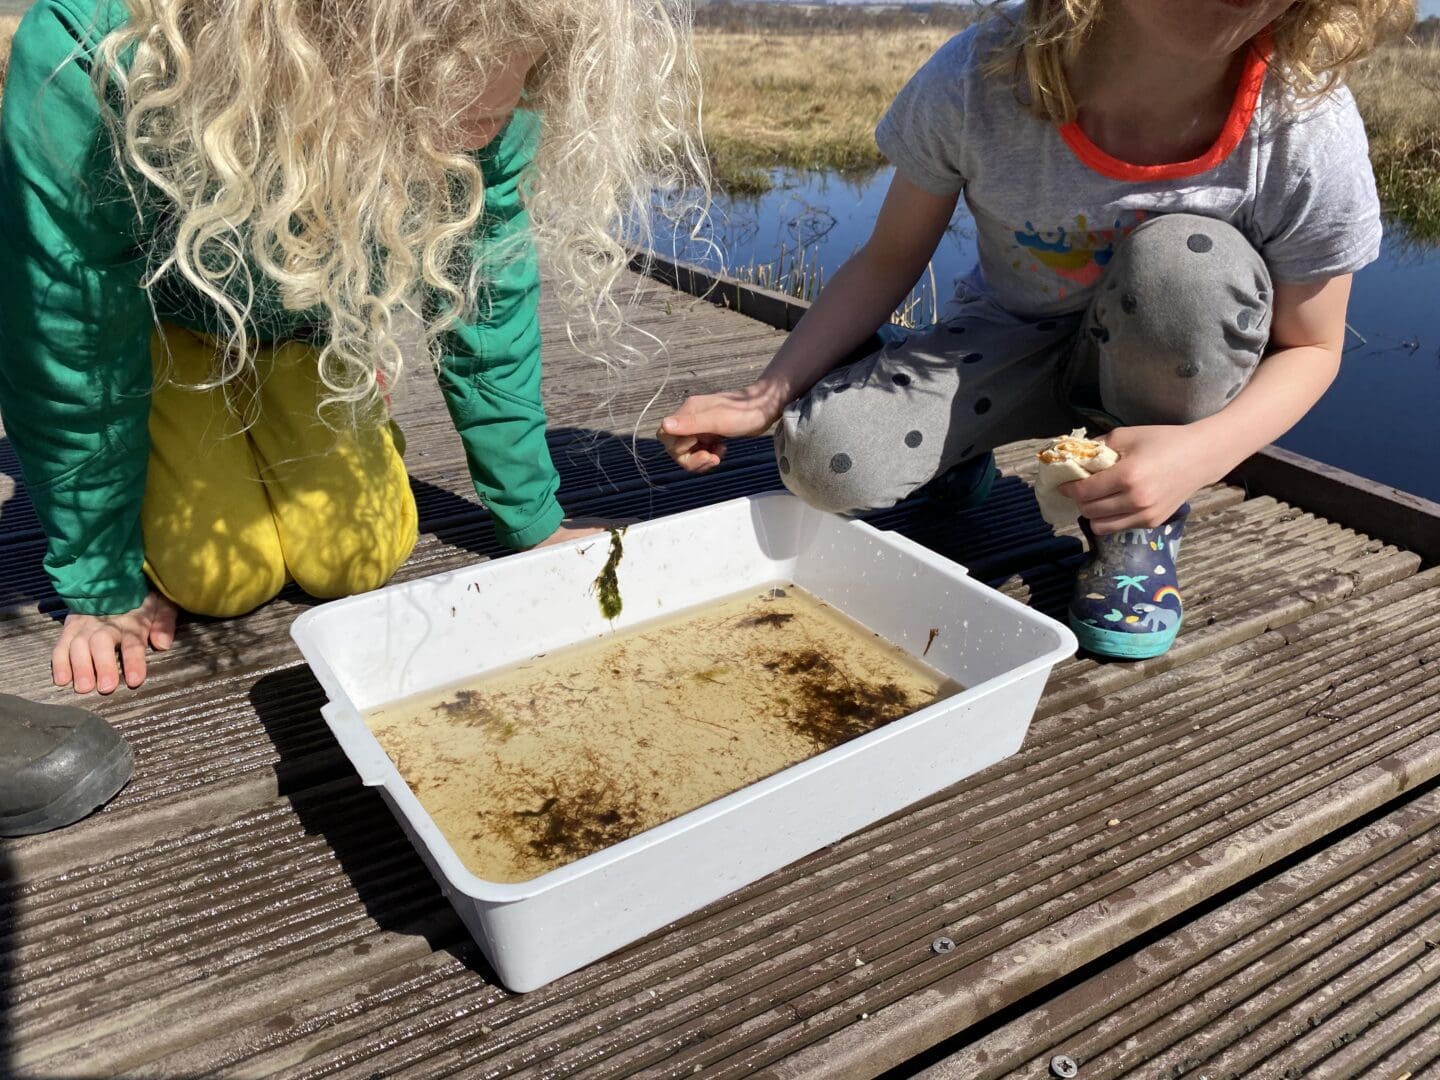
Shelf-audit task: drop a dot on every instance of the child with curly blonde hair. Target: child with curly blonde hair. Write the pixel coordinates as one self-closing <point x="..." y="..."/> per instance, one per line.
<point x="223" y="222"/>
<point x="1170" y="199"/>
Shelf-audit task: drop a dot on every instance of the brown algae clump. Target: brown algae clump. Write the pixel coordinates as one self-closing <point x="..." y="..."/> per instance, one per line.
<point x="587" y="822"/>
<point x="607" y="583"/>
<point x="470" y="708"/>
<point x="589" y="813"/>
<point x="834" y="706"/>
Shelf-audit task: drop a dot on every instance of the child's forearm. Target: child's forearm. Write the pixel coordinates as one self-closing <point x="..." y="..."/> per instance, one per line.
<point x="857" y="301"/>
<point x="1307" y="334"/>
<point x="1285" y="387"/>
<point x="860" y="297"/>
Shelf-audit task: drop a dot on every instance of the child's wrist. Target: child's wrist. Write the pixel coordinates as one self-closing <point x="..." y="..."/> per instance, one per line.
<point x="1222" y="443"/>
<point x="772" y="393"/>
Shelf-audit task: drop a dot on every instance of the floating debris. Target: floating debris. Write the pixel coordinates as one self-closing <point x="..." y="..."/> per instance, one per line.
<point x="776" y="619"/>
<point x="607" y="583"/>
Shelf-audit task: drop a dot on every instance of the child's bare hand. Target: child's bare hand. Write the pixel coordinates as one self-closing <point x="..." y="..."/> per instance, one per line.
<point x="85" y="654"/>
<point x="1159" y="468"/>
<point x="695" y="434"/>
<point x="571" y="528"/>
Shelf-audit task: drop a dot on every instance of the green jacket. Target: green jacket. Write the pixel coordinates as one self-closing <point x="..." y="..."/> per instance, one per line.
<point x="75" y="325"/>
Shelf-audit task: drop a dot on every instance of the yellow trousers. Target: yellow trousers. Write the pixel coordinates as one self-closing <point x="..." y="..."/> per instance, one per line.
<point x="231" y="513"/>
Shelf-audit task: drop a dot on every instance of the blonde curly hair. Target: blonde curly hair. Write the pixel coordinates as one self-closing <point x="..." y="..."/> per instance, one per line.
<point x="305" y="142"/>
<point x="1314" y="42"/>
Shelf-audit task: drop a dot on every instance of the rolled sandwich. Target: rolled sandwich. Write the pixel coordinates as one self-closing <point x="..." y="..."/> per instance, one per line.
<point x="1070" y="457"/>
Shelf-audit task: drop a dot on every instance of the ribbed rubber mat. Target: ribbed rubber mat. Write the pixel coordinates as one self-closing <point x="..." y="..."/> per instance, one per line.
<point x="1327" y="968"/>
<point x="592" y="466"/>
<point x="17" y="514"/>
<point x="242" y="946"/>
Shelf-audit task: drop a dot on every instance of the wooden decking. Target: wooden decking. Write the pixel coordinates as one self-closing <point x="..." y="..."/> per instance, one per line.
<point x="1226" y="855"/>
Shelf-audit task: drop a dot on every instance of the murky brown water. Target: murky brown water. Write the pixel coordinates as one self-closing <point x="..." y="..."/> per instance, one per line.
<point x="552" y="759"/>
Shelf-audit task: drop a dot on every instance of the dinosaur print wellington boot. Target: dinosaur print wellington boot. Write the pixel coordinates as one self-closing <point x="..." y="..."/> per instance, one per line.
<point x="1127" y="597"/>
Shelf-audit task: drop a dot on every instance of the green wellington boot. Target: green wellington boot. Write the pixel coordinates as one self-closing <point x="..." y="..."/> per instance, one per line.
<point x="57" y="764"/>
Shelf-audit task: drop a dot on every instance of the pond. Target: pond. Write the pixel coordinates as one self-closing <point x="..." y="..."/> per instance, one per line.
<point x="1376" y="419"/>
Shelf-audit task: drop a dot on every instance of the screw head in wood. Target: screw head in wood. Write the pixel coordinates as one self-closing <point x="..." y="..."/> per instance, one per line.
<point x="1063" y="1067"/>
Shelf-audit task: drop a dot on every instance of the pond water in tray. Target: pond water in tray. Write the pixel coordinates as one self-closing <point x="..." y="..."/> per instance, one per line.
<point x="534" y="766"/>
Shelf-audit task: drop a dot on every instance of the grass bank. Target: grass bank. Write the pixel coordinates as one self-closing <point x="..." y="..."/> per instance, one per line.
<point x="1398" y="91"/>
<point x="804" y="100"/>
<point x="810" y="100"/>
<point x="808" y="97"/>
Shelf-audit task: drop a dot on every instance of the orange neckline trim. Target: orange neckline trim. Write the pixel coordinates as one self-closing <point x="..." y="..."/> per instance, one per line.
<point x="1242" y="109"/>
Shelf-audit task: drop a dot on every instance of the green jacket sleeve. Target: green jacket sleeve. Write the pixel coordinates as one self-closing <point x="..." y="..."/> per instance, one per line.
<point x="75" y="368"/>
<point x="490" y="366"/>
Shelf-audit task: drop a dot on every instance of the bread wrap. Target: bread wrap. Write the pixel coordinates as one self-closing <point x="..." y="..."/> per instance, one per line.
<point x="1070" y="457"/>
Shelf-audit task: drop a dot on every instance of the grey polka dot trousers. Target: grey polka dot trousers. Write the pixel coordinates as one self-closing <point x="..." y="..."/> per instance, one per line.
<point x="1175" y="328"/>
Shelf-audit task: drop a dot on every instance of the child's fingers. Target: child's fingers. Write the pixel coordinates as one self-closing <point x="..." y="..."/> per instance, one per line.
<point x="699" y="461"/>
<point x="695" y="453"/>
<point x="716" y="416"/>
<point x="710" y="452"/>
<point x="706" y="459"/>
<point x="102" y="646"/>
<point x="673" y="426"/>
<point x="689" y="419"/>
<point x="675" y="445"/>
<point x="1109" y="507"/>
<point x="60" y="667"/>
<point x="1117" y="523"/>
<point x="1098" y="486"/>
<point x="162" y="628"/>
<point x="60" y="672"/>
<point x="682" y="450"/>
<point x="132" y="657"/>
<point x="82" y="664"/>
<point x="1105" y="526"/>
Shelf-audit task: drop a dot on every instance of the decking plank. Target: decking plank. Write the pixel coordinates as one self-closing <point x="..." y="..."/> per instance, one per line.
<point x="1181" y="776"/>
<point x="1230" y="993"/>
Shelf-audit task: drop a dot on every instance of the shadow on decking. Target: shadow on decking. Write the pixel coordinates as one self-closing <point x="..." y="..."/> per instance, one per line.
<point x="384" y="871"/>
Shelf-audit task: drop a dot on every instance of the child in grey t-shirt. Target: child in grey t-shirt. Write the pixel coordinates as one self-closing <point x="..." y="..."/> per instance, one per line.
<point x="1165" y="196"/>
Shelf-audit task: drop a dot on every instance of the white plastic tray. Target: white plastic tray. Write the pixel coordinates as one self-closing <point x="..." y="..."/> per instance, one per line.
<point x="375" y="649"/>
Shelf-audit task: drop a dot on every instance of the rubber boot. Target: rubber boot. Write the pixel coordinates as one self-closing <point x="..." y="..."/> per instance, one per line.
<point x="1127" y="597"/>
<point x="57" y="764"/>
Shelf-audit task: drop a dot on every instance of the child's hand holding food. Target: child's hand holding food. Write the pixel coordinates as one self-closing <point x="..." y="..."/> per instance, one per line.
<point x="1159" y="467"/>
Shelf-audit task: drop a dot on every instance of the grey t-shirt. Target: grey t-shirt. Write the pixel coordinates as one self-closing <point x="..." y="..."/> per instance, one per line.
<point x="1049" y="205"/>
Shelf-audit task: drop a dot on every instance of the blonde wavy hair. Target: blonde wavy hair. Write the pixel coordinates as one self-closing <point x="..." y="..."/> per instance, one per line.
<point x="305" y="142"/>
<point x="1314" y="42"/>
